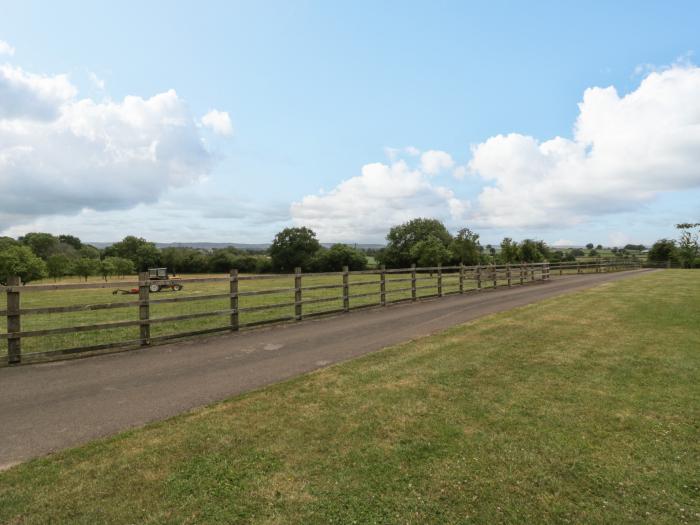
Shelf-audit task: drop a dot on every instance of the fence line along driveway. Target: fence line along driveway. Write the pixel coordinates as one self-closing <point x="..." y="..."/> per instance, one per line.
<point x="51" y="406"/>
<point x="58" y="320"/>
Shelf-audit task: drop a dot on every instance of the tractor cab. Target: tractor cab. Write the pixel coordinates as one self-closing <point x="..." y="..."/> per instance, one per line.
<point x="155" y="274"/>
<point x="163" y="281"/>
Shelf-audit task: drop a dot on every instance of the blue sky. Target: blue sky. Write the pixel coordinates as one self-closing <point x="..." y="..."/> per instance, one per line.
<point x="315" y="91"/>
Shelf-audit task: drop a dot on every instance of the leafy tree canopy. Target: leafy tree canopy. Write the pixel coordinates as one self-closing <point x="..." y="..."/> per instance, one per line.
<point x="465" y="247"/>
<point x="293" y="247"/>
<point x="663" y="250"/>
<point x="510" y="252"/>
<point x="21" y="261"/>
<point x="42" y="244"/>
<point x="430" y="252"/>
<point x="138" y="250"/>
<point x="71" y="240"/>
<point x="338" y="256"/>
<point x="404" y="237"/>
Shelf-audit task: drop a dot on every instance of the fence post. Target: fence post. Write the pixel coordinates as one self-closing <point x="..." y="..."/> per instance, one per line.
<point x="508" y="276"/>
<point x="461" y="277"/>
<point x="578" y="267"/>
<point x="297" y="293"/>
<point x="233" y="289"/>
<point x="144" y="327"/>
<point x="478" y="277"/>
<point x="382" y="286"/>
<point x="413" y="282"/>
<point x="14" y="324"/>
<point x="494" y="269"/>
<point x="439" y="280"/>
<point x="346" y="288"/>
<point x="521" y="273"/>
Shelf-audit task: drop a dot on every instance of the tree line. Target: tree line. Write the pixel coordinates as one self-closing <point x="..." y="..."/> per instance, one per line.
<point x="39" y="255"/>
<point x="423" y="242"/>
<point x="684" y="252"/>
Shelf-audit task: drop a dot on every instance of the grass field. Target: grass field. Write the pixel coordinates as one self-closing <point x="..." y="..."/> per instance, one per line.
<point x="579" y="409"/>
<point x="95" y="296"/>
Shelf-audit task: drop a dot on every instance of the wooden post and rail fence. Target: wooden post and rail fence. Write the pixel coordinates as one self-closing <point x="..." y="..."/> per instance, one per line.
<point x="460" y="279"/>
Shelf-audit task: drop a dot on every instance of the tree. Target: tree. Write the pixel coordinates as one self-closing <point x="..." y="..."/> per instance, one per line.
<point x="6" y="242"/>
<point x="593" y="253"/>
<point x="263" y="265"/>
<point x="599" y="247"/>
<point x="530" y="251"/>
<point x="688" y="244"/>
<point x="492" y="253"/>
<point x="663" y="250"/>
<point x="510" y="252"/>
<point x="120" y="266"/>
<point x="85" y="267"/>
<point x="185" y="260"/>
<point x="42" y="244"/>
<point x="138" y="250"/>
<point x="21" y="261"/>
<point x="223" y="260"/>
<point x="402" y="238"/>
<point x="67" y="250"/>
<point x="430" y="252"/>
<point x="71" y="240"/>
<point x="544" y="250"/>
<point x="293" y="247"/>
<point x="176" y="258"/>
<point x="338" y="256"/>
<point x="589" y="246"/>
<point x="106" y="267"/>
<point x="88" y="251"/>
<point x="577" y="252"/>
<point x="58" y="265"/>
<point x="465" y="247"/>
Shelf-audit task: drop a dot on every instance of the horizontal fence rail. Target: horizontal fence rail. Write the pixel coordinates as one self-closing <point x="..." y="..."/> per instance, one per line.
<point x="234" y="302"/>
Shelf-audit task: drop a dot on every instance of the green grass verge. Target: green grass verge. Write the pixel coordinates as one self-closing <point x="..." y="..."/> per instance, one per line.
<point x="579" y="409"/>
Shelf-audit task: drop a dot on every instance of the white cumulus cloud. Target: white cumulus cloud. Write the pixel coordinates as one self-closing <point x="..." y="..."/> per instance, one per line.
<point x="434" y="161"/>
<point x="29" y="96"/>
<point x="625" y="150"/>
<point x="6" y="49"/>
<point x="366" y="206"/>
<point x="60" y="154"/>
<point x="96" y="81"/>
<point x="219" y="122"/>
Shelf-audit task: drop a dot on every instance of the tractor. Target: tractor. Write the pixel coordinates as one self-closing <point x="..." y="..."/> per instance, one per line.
<point x="162" y="282"/>
<point x="166" y="282"/>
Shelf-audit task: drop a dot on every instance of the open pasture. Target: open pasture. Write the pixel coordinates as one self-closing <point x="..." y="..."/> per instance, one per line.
<point x="321" y="294"/>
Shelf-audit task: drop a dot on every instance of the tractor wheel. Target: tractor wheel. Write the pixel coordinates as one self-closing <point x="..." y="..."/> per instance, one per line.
<point x="154" y="288"/>
<point x="177" y="287"/>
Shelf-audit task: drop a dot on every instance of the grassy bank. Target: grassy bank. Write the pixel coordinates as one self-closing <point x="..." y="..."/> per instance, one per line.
<point x="579" y="409"/>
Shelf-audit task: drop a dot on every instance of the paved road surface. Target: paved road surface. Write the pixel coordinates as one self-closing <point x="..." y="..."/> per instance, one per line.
<point x="49" y="407"/>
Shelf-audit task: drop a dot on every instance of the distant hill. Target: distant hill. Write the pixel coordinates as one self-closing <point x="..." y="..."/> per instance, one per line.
<point x="239" y="245"/>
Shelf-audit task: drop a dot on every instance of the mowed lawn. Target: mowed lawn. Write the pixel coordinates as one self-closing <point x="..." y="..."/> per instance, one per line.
<point x="579" y="409"/>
